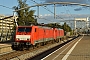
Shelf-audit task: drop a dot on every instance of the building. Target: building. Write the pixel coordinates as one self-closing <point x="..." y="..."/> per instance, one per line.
<point x="6" y="27"/>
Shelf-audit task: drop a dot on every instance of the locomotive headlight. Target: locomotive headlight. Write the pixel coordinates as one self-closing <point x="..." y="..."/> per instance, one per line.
<point x="17" y="39"/>
<point x="27" y="38"/>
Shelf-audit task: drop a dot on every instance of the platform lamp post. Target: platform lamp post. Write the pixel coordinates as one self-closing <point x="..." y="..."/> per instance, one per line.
<point x="14" y="17"/>
<point x="54" y="11"/>
<point x="38" y="11"/>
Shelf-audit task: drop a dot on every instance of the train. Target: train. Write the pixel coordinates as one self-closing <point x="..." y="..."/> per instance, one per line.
<point x="27" y="36"/>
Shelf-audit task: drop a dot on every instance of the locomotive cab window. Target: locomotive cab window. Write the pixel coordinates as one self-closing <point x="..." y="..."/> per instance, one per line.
<point x="24" y="29"/>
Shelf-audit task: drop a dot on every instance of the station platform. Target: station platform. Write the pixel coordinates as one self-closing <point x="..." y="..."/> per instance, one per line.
<point x="79" y="49"/>
<point x="82" y="50"/>
<point x="4" y="47"/>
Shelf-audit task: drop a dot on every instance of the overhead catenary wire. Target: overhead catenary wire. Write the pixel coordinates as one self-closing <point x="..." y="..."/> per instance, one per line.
<point x="70" y="3"/>
<point x="68" y="11"/>
<point x="6" y="7"/>
<point x="47" y="10"/>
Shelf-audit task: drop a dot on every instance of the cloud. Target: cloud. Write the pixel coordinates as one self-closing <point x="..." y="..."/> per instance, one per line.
<point x="50" y="19"/>
<point x="80" y="8"/>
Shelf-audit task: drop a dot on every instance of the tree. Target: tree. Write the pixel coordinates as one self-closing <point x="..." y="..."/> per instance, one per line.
<point x="54" y="25"/>
<point x="66" y="28"/>
<point x="25" y="16"/>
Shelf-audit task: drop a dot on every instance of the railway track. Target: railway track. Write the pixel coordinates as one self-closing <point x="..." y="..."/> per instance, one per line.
<point x="32" y="53"/>
<point x="45" y="53"/>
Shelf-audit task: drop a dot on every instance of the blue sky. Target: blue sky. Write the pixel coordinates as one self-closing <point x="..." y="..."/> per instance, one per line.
<point x="59" y="9"/>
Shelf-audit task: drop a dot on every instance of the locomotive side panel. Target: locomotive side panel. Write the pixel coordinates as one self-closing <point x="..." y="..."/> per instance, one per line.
<point x="51" y="34"/>
<point x="38" y="35"/>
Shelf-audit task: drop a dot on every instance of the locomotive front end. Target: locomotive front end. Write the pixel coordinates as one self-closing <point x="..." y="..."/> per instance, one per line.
<point x="22" y="38"/>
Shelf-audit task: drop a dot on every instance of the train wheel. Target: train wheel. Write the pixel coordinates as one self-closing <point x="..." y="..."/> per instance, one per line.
<point x="28" y="47"/>
<point x="33" y="46"/>
<point x="21" y="48"/>
<point x="57" y="40"/>
<point x="13" y="47"/>
<point x="42" y="43"/>
<point x="52" y="41"/>
<point x="60" y="40"/>
<point x="45" y="43"/>
<point x="37" y="45"/>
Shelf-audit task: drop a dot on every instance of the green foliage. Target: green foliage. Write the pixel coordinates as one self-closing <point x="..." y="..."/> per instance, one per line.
<point x="25" y="16"/>
<point x="66" y="28"/>
<point x="54" y="25"/>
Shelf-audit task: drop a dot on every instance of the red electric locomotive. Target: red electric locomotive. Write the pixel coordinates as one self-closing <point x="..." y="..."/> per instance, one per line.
<point x="27" y="36"/>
